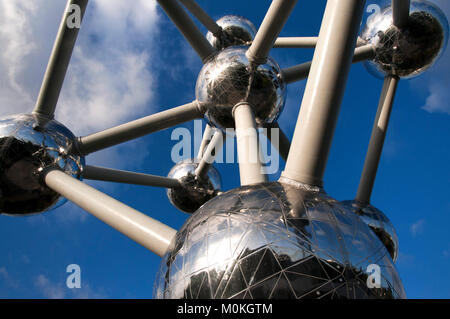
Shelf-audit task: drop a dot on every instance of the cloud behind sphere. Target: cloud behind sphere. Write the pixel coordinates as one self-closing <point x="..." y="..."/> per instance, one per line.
<point x="436" y="80"/>
<point x="110" y="77"/>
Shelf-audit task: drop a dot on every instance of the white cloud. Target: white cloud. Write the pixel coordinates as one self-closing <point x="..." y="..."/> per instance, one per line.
<point x="16" y="42"/>
<point x="7" y="278"/>
<point x="437" y="79"/>
<point x="53" y="290"/>
<point x="49" y="289"/>
<point x="110" y="78"/>
<point x="417" y="227"/>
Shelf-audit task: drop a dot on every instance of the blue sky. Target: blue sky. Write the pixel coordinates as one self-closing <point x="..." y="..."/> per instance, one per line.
<point x="130" y="61"/>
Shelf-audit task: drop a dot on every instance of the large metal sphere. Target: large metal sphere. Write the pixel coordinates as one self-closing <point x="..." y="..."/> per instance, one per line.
<point x="29" y="144"/>
<point x="276" y="240"/>
<point x="379" y="223"/>
<point x="229" y="78"/>
<point x="194" y="191"/>
<point x="236" y="30"/>
<point x="410" y="50"/>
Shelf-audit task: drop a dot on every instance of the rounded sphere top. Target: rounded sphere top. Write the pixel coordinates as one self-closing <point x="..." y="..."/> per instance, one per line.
<point x="410" y="50"/>
<point x="194" y="191"/>
<point x="235" y="30"/>
<point x="30" y="143"/>
<point x="229" y="78"/>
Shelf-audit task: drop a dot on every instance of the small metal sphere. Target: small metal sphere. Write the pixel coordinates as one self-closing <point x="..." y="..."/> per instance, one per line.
<point x="229" y="78"/>
<point x="236" y="30"/>
<point x="194" y="190"/>
<point x="29" y="144"/>
<point x="276" y="240"/>
<point x="408" y="51"/>
<point x="379" y="223"/>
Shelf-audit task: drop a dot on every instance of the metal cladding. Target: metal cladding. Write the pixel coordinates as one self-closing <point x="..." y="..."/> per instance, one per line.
<point x="229" y="78"/>
<point x="275" y="240"/>
<point x="194" y="190"/>
<point x="235" y="30"/>
<point x="29" y="144"/>
<point x="379" y="223"/>
<point x="408" y="51"/>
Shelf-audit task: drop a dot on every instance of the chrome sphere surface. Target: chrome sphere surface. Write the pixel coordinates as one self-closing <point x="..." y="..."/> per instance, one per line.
<point x="229" y="78"/>
<point x="379" y="223"/>
<point x="410" y="50"/>
<point x="194" y="191"/>
<point x="29" y="144"/>
<point x="276" y="240"/>
<point x="236" y="30"/>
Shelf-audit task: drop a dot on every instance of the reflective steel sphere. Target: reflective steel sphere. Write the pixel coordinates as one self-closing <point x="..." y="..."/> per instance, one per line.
<point x="29" y="144"/>
<point x="410" y="50"/>
<point x="194" y="191"/>
<point x="276" y="240"/>
<point x="235" y="31"/>
<point x="229" y="78"/>
<point x="379" y="223"/>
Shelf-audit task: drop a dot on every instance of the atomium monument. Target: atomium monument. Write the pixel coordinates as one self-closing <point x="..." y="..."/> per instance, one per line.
<point x="282" y="239"/>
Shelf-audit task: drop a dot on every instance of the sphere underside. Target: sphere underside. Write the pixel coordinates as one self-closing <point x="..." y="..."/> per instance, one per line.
<point x="194" y="191"/>
<point x="235" y="30"/>
<point x="275" y="240"/>
<point x="410" y="50"/>
<point x="29" y="144"/>
<point x="230" y="78"/>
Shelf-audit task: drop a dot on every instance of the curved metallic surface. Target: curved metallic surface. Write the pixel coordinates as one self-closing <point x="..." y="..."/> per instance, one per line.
<point x="236" y="30"/>
<point x="28" y="144"/>
<point x="410" y="50"/>
<point x="276" y="240"/>
<point x="229" y="79"/>
<point x="194" y="190"/>
<point x="378" y="222"/>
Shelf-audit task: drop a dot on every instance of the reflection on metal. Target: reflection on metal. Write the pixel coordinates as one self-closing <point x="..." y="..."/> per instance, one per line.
<point x="285" y="239"/>
<point x="411" y="49"/>
<point x="194" y="190"/>
<point x="235" y="30"/>
<point x="229" y="78"/>
<point x="275" y="240"/>
<point x="379" y="223"/>
<point x="29" y="144"/>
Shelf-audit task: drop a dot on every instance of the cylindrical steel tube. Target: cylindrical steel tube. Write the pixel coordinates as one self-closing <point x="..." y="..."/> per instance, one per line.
<point x="188" y="28"/>
<point x="59" y="59"/>
<point x="400" y="12"/>
<point x="375" y="149"/>
<point x="134" y="129"/>
<point x="282" y="144"/>
<point x="210" y="153"/>
<point x="202" y="16"/>
<point x="271" y="26"/>
<point x="300" y="71"/>
<point x="250" y="168"/>
<point x="119" y="176"/>
<point x="295" y="42"/>
<point x="144" y="230"/>
<point x="324" y="91"/>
